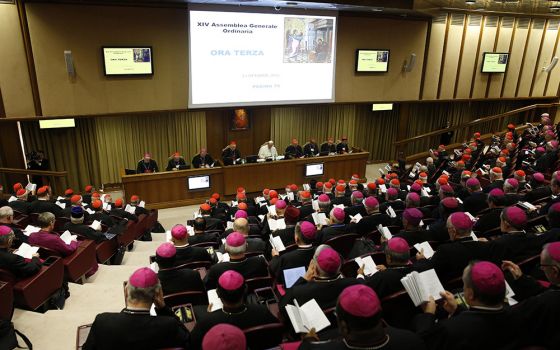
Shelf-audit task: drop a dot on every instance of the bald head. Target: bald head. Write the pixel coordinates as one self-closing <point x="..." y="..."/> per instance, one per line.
<point x="241" y="225"/>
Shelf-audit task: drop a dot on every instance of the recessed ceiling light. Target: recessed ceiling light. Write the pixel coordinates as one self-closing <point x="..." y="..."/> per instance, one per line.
<point x="470" y="2"/>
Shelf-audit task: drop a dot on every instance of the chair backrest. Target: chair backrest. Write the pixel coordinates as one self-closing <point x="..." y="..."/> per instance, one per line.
<point x="343" y="244"/>
<point x="398" y="309"/>
<point x="265" y="336"/>
<point x="7" y="276"/>
<point x="194" y="297"/>
<point x="529" y="264"/>
<point x="258" y="283"/>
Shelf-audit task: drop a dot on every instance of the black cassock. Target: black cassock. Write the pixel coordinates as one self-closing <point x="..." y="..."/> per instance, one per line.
<point x="149" y="167"/>
<point x="229" y="155"/>
<point x="132" y="329"/>
<point x="198" y="161"/>
<point x="328" y="148"/>
<point x="172" y="164"/>
<point x="294" y="151"/>
<point x="311" y="149"/>
<point x="342" y="147"/>
<point x="252" y="267"/>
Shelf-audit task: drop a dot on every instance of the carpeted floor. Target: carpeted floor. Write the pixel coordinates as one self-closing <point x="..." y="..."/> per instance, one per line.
<point x="56" y="330"/>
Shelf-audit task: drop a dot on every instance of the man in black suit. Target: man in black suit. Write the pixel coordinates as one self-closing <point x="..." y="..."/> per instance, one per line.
<point x="311" y="149"/>
<point x="175" y="280"/>
<point x="134" y="327"/>
<point x="12" y="262"/>
<point x="176" y="162"/>
<point x="294" y="150"/>
<point x="147" y="165"/>
<point x="329" y="146"/>
<point x="388" y="279"/>
<point x="236" y="246"/>
<point x="43" y="203"/>
<point x="118" y="210"/>
<point x="185" y="252"/>
<point x="515" y="244"/>
<point x="475" y="202"/>
<point x="372" y="218"/>
<point x="21" y="204"/>
<point x="100" y="214"/>
<point x="451" y="258"/>
<point x="76" y="225"/>
<point x="7" y="219"/>
<point x="231" y="290"/>
<point x="304" y="235"/>
<point x="487" y="324"/>
<point x="491" y="217"/>
<point x="335" y="228"/>
<point x="321" y="282"/>
<point x="202" y="160"/>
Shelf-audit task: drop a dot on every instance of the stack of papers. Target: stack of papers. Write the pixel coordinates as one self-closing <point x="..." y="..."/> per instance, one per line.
<point x="26" y="251"/>
<point x="277" y="244"/>
<point x="308" y="316"/>
<point x="274" y="225"/>
<point x="320" y="219"/>
<point x="425" y="248"/>
<point x="31" y="229"/>
<point x="67" y="237"/>
<point x="96" y="225"/>
<point x="292" y="275"/>
<point x="420" y="286"/>
<point x="214" y="300"/>
<point x="370" y="267"/>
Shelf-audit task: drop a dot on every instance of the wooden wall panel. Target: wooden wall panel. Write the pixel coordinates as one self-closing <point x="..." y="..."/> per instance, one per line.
<point x="84" y="30"/>
<point x="434" y="57"/>
<point x="516" y="57"/>
<point x="468" y="57"/>
<point x="544" y="58"/>
<point x="14" y="76"/>
<point x="532" y="49"/>
<point x="487" y="41"/>
<point x="505" y="34"/>
<point x="401" y="37"/>
<point x="554" y="77"/>
<point x="452" y="51"/>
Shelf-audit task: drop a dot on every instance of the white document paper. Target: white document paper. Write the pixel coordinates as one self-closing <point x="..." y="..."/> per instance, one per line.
<point x="261" y="218"/>
<point x="320" y="219"/>
<point x="420" y="286"/>
<point x="340" y="206"/>
<point x="274" y="225"/>
<point x="315" y="205"/>
<point x="130" y="209"/>
<point x="60" y="198"/>
<point x="26" y="251"/>
<point x="67" y="237"/>
<point x="528" y="206"/>
<point x="291" y="196"/>
<point x="61" y="205"/>
<point x="306" y="187"/>
<point x="277" y="244"/>
<point x="423" y="192"/>
<point x="234" y="203"/>
<point x="229" y="225"/>
<point x="259" y="199"/>
<point x="308" y="316"/>
<point x="215" y="300"/>
<point x="391" y="212"/>
<point x="154" y="267"/>
<point x="369" y="265"/>
<point x="474" y="237"/>
<point x="142" y="204"/>
<point x="96" y="225"/>
<point x="31" y="187"/>
<point x="292" y="275"/>
<point x="383" y="188"/>
<point x="459" y="200"/>
<point x="509" y="295"/>
<point x="31" y="229"/>
<point x="272" y="210"/>
<point x="222" y="257"/>
<point x="428" y="251"/>
<point x="385" y="232"/>
<point x="90" y="211"/>
<point x="356" y="218"/>
<point x="12" y="199"/>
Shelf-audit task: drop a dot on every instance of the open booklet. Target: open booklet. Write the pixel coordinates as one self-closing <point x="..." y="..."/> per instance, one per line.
<point x="274" y="225"/>
<point x="292" y="275"/>
<point x="421" y="285"/>
<point x="277" y="244"/>
<point x="26" y="251"/>
<point x="214" y="300"/>
<point x="320" y="219"/>
<point x="385" y="232"/>
<point x="425" y="248"/>
<point x="369" y="265"/>
<point x="308" y="316"/>
<point x="29" y="229"/>
<point x="67" y="237"/>
<point x="96" y="225"/>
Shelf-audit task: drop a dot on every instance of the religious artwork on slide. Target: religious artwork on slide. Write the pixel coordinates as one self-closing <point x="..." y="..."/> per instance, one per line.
<point x="240" y="119"/>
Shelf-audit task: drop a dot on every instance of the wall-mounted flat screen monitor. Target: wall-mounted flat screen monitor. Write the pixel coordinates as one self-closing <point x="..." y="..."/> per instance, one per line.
<point x="372" y="60"/>
<point x="128" y="60"/>
<point x="200" y="182"/>
<point x="315" y="169"/>
<point x="494" y="62"/>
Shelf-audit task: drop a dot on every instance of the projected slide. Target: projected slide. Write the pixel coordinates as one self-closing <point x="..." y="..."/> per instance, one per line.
<point x="241" y="59"/>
